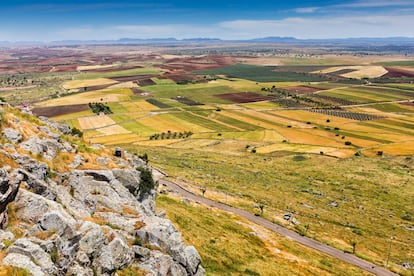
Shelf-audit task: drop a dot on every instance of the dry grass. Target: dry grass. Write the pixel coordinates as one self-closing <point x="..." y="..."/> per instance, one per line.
<point x="229" y="245"/>
<point x="44" y="235"/>
<point x="138" y="225"/>
<point x="92" y="67"/>
<point x="94" y="122"/>
<point x="97" y="220"/>
<point x="129" y="211"/>
<point x="13" y="271"/>
<point x="74" y="84"/>
<point x="138" y="106"/>
<point x="359" y="73"/>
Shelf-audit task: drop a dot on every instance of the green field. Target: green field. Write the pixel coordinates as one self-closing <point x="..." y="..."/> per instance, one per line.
<point x="121" y="73"/>
<point x="260" y="73"/>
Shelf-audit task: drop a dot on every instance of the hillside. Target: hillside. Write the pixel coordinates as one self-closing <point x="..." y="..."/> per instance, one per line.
<point x="69" y="208"/>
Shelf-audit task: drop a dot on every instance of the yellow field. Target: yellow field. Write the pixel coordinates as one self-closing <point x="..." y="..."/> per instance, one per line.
<point x="115" y="139"/>
<point x="403" y="148"/>
<point x="252" y="121"/>
<point x="139" y="106"/>
<point x="295" y="148"/>
<point x="156" y="143"/>
<point x="113" y="130"/>
<point x="193" y="143"/>
<point x="127" y="84"/>
<point x="359" y="73"/>
<point x="273" y="117"/>
<point x="93" y="122"/>
<point x="260" y="105"/>
<point x="74" y="84"/>
<point x="92" y="67"/>
<point x="310" y="137"/>
<point x="163" y="124"/>
<point x="106" y="95"/>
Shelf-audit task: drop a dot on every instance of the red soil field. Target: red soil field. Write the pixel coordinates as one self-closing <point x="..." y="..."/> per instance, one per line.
<point x="244" y="97"/>
<point x="112" y="69"/>
<point x="398" y="73"/>
<point x="59" y="110"/>
<point x="408" y="103"/>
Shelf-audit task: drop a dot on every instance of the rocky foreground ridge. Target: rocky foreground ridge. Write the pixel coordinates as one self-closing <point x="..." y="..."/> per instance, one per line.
<point x="67" y="208"/>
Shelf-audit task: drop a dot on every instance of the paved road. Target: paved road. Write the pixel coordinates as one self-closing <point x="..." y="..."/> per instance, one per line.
<point x="346" y="257"/>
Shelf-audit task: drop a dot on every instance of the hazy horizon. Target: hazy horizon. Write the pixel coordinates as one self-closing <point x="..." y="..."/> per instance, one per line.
<point x="24" y="20"/>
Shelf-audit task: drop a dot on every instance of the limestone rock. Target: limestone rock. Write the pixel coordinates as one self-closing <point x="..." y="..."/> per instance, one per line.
<point x="22" y="261"/>
<point x="27" y="248"/>
<point x="12" y="135"/>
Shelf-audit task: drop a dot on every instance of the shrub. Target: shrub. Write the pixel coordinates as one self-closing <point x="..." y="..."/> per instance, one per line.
<point x="76" y="131"/>
<point x="348" y="143"/>
<point x="137" y="241"/>
<point x="147" y="182"/>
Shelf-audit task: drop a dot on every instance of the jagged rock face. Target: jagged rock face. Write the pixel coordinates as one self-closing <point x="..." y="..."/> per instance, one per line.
<point x="85" y="222"/>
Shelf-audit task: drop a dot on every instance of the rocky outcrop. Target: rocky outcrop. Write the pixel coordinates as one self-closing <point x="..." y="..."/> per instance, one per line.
<point x="84" y="222"/>
<point x="9" y="186"/>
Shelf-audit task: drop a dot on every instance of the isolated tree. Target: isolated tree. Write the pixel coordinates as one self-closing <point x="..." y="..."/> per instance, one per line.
<point x="261" y="207"/>
<point x="203" y="190"/>
<point x="307" y="226"/>
<point x="353" y="244"/>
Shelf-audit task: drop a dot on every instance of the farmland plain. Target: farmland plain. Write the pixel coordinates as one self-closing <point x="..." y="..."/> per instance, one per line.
<point x="328" y="139"/>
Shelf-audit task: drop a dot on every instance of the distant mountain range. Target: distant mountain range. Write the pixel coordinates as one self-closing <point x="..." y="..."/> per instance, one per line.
<point x="272" y="39"/>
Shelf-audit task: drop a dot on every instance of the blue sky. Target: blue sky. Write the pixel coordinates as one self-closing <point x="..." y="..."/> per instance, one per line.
<point x="110" y="19"/>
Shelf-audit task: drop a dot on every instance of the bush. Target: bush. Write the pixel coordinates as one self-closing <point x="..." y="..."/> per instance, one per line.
<point x="147" y="182"/>
<point x="137" y="241"/>
<point x="348" y="143"/>
<point x="76" y="131"/>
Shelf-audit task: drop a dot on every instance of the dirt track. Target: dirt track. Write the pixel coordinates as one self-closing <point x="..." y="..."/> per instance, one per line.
<point x="323" y="248"/>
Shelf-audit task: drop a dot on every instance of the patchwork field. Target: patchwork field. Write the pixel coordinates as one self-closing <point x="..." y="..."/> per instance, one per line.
<point x="327" y="138"/>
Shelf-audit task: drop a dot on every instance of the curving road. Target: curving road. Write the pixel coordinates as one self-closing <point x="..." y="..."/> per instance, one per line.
<point x="346" y="257"/>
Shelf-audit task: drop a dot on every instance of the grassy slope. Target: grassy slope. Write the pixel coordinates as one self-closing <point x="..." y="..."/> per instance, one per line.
<point x="373" y="195"/>
<point x="229" y="245"/>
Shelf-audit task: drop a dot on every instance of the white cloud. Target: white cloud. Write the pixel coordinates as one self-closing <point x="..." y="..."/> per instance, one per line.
<point x="327" y="27"/>
<point x="307" y="10"/>
<point x="376" y="4"/>
<point x="300" y="27"/>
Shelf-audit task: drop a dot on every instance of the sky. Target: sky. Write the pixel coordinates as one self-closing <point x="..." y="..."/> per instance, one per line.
<point x="45" y="20"/>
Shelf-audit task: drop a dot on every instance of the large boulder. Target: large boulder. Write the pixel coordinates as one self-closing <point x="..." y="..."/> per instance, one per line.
<point x="48" y="148"/>
<point x="29" y="249"/>
<point x="161" y="233"/>
<point x="12" y="135"/>
<point x="116" y="255"/>
<point x="9" y="186"/>
<point x="25" y="262"/>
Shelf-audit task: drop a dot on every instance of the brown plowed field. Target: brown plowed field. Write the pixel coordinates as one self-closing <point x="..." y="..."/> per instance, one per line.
<point x="244" y="97"/>
<point x="136" y="91"/>
<point x="303" y="89"/>
<point x="408" y="103"/>
<point x="113" y="69"/>
<point x="184" y="65"/>
<point x="180" y="77"/>
<point x="398" y="73"/>
<point x="146" y="82"/>
<point x="133" y="78"/>
<point x="59" y="110"/>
